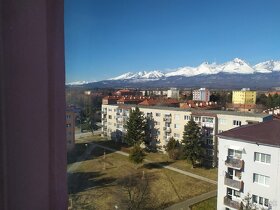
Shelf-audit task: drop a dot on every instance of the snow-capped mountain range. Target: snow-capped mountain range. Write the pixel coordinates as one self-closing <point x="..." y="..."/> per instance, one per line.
<point x="236" y="66"/>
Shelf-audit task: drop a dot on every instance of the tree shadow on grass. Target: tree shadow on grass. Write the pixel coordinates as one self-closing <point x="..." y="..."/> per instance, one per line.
<point x="80" y="181"/>
<point x="156" y="165"/>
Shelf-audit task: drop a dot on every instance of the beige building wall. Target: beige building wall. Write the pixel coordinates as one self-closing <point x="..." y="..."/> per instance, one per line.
<point x="70" y="129"/>
<point x="170" y="122"/>
<point x="244" y="97"/>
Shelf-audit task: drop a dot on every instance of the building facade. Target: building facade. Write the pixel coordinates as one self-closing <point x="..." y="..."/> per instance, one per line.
<point x="249" y="166"/>
<point x="244" y="96"/>
<point x="173" y="93"/>
<point x="70" y="129"/>
<point x="167" y="122"/>
<point x="201" y="94"/>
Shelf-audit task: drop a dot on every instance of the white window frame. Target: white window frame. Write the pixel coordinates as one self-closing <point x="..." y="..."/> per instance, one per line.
<point x="262" y="157"/>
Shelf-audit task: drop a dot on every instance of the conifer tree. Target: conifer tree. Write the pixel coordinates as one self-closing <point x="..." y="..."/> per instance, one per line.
<point x="136" y="126"/>
<point x="192" y="142"/>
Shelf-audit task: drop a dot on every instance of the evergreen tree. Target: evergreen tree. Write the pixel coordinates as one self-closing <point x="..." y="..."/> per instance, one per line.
<point x="136" y="127"/>
<point x="173" y="149"/>
<point x="192" y="142"/>
<point x="136" y="154"/>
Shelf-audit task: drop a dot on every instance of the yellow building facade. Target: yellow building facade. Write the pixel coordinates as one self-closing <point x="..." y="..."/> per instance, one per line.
<point x="244" y="97"/>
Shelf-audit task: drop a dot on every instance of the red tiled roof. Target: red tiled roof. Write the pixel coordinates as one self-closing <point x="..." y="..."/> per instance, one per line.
<point x="263" y="133"/>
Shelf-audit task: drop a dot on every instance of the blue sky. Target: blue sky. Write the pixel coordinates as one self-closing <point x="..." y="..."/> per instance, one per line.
<point x="105" y="38"/>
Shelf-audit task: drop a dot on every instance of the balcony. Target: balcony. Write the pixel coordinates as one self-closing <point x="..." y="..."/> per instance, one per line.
<point x="167" y="119"/>
<point x="234" y="163"/>
<point x="238" y="185"/>
<point x="167" y="129"/>
<point x="231" y="203"/>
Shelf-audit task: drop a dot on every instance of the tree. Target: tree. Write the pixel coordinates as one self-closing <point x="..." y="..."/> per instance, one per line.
<point x="136" y="126"/>
<point x="136" y="192"/>
<point x="173" y="149"/>
<point x="192" y="142"/>
<point x="87" y="119"/>
<point x="136" y="154"/>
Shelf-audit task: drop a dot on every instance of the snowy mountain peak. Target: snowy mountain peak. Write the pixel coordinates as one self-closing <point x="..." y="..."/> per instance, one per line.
<point x="235" y="66"/>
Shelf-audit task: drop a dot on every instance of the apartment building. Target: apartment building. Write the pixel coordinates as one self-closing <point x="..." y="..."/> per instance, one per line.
<point x="167" y="122"/>
<point x="249" y="164"/>
<point x="173" y="93"/>
<point x="244" y="96"/>
<point x="201" y="94"/>
<point x="70" y="128"/>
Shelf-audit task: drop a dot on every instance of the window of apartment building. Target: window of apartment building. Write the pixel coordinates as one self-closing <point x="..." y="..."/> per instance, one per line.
<point x="109" y="123"/>
<point x="235" y="153"/>
<point x="210" y="141"/>
<point x="157" y="123"/>
<point x="177" y="117"/>
<point x="209" y="152"/>
<point x="109" y="110"/>
<point x="158" y="132"/>
<point x="68" y="125"/>
<point x="260" y="200"/>
<point x="236" y="193"/>
<point x="261" y="179"/>
<point x="176" y="135"/>
<point x="157" y="114"/>
<point x="222" y="121"/>
<point x="187" y="117"/>
<point x="261" y="157"/>
<point x="110" y="116"/>
<point x="176" y="126"/>
<point x="197" y="119"/>
<point x="237" y="122"/>
<point x="207" y="119"/>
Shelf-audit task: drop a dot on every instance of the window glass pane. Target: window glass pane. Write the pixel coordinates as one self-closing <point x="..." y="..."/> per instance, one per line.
<point x="268" y="159"/>
<point x="256" y="177"/>
<point x="257" y="156"/>
<point x="266" y="180"/>
<point x="261" y="200"/>
<point x="263" y="158"/>
<point x="230" y="152"/>
<point x="255" y="199"/>
<point x="261" y="179"/>
<point x="266" y="202"/>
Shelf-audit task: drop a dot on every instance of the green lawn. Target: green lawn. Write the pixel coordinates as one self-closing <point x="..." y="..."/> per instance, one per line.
<point x="94" y="183"/>
<point x="210" y="204"/>
<point x="210" y="173"/>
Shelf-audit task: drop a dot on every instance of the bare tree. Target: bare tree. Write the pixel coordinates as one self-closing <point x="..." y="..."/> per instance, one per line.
<point x="136" y="192"/>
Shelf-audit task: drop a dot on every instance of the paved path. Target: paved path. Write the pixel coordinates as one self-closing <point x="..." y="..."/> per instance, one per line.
<point x="185" y="205"/>
<point x="75" y="165"/>
<point x="164" y="166"/>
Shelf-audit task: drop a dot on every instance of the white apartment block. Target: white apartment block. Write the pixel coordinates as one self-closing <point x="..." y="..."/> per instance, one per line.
<point x="201" y="94"/>
<point x="167" y="122"/>
<point x="173" y="93"/>
<point x="249" y="164"/>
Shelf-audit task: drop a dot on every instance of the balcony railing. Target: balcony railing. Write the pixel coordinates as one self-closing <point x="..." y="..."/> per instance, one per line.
<point x="233" y="183"/>
<point x="234" y="163"/>
<point x="231" y="203"/>
<point x="167" y="119"/>
<point x="167" y="129"/>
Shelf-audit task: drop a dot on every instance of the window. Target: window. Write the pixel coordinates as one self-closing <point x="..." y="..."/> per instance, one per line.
<point x="187" y="117"/>
<point x="255" y="199"/>
<point x="236" y="193"/>
<point x="266" y="202"/>
<point x="261" y="179"/>
<point x="197" y="119"/>
<point x="110" y="116"/>
<point x="261" y="200"/>
<point x="176" y="126"/>
<point x="158" y="132"/>
<point x="176" y="135"/>
<point x="207" y="119"/>
<point x="68" y="125"/>
<point x="177" y="117"/>
<point x="235" y="153"/>
<point x="261" y="157"/>
<point x="157" y="114"/>
<point x="222" y="121"/>
<point x="237" y="122"/>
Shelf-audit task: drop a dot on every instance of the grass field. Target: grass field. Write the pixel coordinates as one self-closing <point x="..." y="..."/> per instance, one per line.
<point x="210" y="204"/>
<point x="210" y="173"/>
<point x="94" y="183"/>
